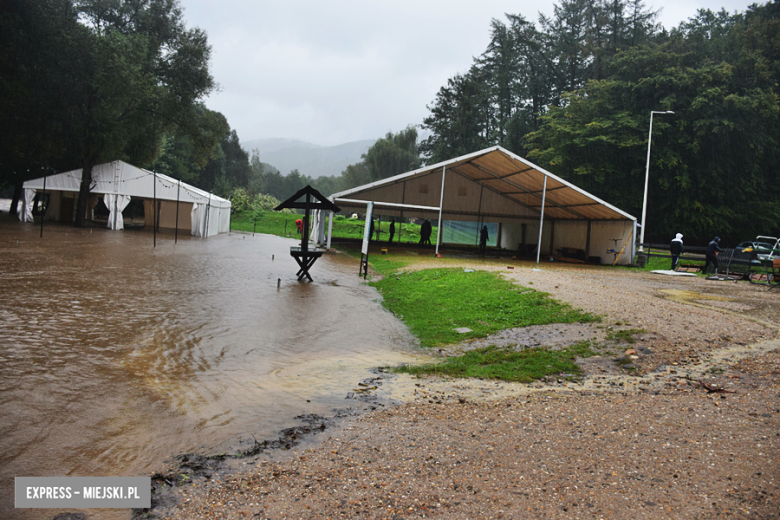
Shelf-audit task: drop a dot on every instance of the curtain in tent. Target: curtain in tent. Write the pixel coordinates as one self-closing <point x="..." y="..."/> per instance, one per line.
<point x="317" y="234"/>
<point x="198" y="215"/>
<point x="27" y="205"/>
<point x="116" y="204"/>
<point x="315" y="226"/>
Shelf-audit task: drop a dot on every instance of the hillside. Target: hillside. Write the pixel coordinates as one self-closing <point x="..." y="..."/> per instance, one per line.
<point x="309" y="159"/>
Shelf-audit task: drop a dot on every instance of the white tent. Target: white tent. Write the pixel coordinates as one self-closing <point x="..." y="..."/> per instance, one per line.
<point x="117" y="183"/>
<point x="536" y="210"/>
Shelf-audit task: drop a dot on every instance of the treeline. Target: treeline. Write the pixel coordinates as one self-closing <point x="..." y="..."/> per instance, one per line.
<point x="87" y="82"/>
<point x="574" y="93"/>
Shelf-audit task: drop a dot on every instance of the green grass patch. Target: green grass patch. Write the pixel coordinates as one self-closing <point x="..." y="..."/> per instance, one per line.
<point x="269" y="222"/>
<point x="508" y="365"/>
<point x="434" y="302"/>
<point x="283" y="224"/>
<point x="385" y="264"/>
<point x="656" y="263"/>
<point x="625" y="335"/>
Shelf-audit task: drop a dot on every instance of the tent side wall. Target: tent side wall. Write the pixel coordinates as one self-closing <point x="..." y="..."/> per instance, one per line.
<point x="126" y="179"/>
<point x="572" y="234"/>
<point x="605" y="234"/>
<point x="167" y="214"/>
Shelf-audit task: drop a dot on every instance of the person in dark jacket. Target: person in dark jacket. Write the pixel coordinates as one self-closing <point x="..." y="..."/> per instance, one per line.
<point x="712" y="255"/>
<point x="483" y="238"/>
<point x="676" y="249"/>
<point x="425" y="233"/>
<point x="392" y="232"/>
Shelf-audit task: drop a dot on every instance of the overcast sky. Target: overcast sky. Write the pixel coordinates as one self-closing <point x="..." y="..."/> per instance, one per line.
<point x="332" y="72"/>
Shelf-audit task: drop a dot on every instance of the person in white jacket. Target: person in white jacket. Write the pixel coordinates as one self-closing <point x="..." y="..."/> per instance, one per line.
<point x="676" y="248"/>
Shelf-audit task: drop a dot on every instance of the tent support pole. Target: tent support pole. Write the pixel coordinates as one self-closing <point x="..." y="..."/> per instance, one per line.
<point x="43" y="201"/>
<point x="154" y="211"/>
<point x="176" y="232"/>
<point x="541" y="221"/>
<point x="330" y="228"/>
<point x="208" y="216"/>
<point x="587" y="240"/>
<point x="441" y="203"/>
<point x="479" y="216"/>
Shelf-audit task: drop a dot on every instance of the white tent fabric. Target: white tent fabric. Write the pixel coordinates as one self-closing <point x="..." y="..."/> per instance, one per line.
<point x="122" y="180"/>
<point x="198" y="219"/>
<point x="116" y="204"/>
<point x="317" y="234"/>
<point x="26" y="214"/>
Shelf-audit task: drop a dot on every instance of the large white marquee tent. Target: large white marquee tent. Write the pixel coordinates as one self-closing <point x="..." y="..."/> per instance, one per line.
<point x="117" y="183"/>
<point x="536" y="210"/>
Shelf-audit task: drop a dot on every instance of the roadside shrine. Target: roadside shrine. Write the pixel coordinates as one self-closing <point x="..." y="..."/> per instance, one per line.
<point x="303" y="255"/>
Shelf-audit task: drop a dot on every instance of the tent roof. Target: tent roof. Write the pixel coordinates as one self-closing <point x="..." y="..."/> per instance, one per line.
<point x="491" y="183"/>
<point x="126" y="179"/>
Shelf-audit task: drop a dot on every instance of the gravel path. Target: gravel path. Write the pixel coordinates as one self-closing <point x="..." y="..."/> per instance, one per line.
<point x="692" y="431"/>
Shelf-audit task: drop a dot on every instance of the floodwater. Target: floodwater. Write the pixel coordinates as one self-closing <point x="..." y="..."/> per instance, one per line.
<point x="116" y="356"/>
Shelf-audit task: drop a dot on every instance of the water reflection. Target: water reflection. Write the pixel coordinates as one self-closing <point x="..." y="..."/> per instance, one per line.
<point x="117" y="355"/>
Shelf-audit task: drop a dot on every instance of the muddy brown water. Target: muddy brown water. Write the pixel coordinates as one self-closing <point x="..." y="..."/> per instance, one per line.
<point x="116" y="356"/>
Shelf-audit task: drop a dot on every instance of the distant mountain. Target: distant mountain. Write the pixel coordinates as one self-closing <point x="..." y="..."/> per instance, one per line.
<point x="309" y="159"/>
<point x="276" y="144"/>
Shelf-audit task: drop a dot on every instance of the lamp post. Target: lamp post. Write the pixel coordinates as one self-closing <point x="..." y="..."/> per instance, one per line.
<point x="647" y="176"/>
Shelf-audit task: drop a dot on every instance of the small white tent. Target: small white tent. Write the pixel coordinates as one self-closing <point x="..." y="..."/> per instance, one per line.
<point x="178" y="204"/>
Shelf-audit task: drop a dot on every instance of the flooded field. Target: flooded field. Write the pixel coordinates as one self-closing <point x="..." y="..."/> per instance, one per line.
<point x="116" y="355"/>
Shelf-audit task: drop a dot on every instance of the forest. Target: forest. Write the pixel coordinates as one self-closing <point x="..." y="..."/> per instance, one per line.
<point x="573" y="93"/>
<point x="86" y="82"/>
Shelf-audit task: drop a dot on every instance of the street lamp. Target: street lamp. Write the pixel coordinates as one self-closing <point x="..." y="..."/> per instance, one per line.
<point x="647" y="176"/>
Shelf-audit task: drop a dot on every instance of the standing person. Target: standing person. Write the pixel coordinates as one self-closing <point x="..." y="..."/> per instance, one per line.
<point x="712" y="255"/>
<point x="425" y="232"/>
<point x="676" y="249"/>
<point x="483" y="238"/>
<point x="391" y="231"/>
<point x="299" y="225"/>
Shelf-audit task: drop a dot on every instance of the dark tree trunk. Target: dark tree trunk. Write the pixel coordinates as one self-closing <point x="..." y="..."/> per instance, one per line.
<point x="15" y="200"/>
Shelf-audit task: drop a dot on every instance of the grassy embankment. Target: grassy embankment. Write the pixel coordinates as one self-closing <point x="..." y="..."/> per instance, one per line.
<point x="435" y="302"/>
